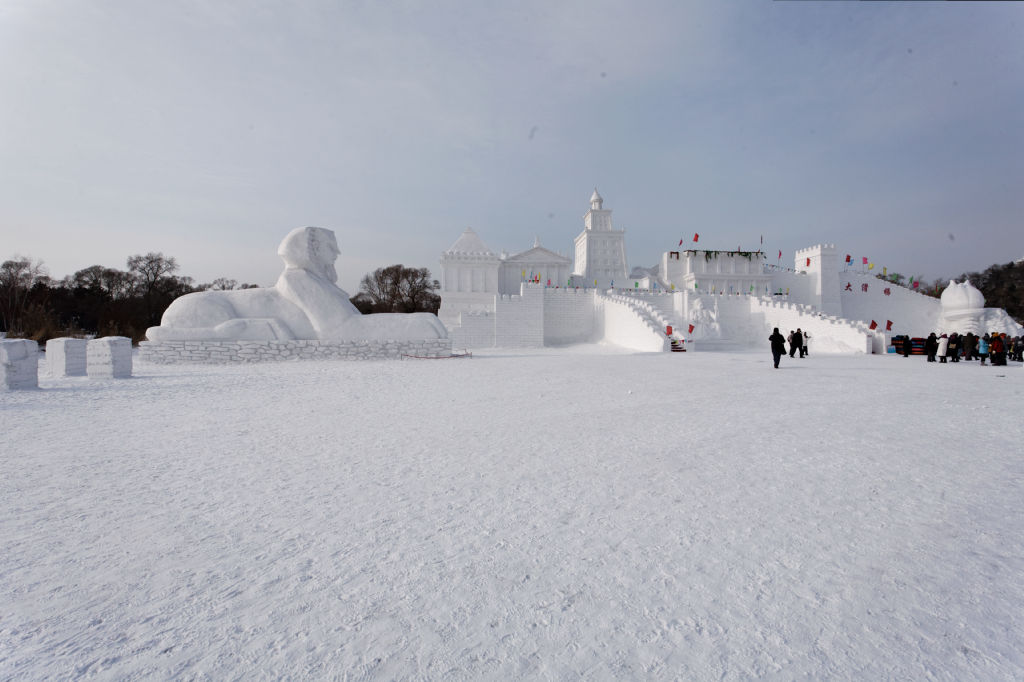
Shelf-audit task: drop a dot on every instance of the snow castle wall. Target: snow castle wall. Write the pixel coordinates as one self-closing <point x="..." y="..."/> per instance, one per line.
<point x="911" y="312"/>
<point x="829" y="334"/>
<point x="519" y="320"/>
<point x="570" y="316"/>
<point x="474" y="330"/>
<point x="220" y="352"/>
<point x="19" y="364"/>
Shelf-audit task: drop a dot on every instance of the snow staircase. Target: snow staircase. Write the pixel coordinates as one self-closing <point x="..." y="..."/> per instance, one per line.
<point x="654" y="319"/>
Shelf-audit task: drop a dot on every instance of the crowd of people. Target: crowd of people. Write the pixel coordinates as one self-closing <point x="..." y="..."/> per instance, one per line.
<point x="996" y="347"/>
<point x="797" y="340"/>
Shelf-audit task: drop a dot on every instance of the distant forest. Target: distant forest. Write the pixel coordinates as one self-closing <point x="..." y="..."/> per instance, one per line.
<point x="1002" y="286"/>
<point x="111" y="302"/>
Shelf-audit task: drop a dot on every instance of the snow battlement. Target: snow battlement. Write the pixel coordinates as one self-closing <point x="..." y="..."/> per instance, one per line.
<point x="817" y="248"/>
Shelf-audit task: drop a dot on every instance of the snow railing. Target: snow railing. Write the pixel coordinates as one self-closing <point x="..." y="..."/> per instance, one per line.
<point x="854" y="334"/>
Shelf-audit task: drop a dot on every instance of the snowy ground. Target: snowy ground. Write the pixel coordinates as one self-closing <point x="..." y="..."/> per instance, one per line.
<point x="554" y="514"/>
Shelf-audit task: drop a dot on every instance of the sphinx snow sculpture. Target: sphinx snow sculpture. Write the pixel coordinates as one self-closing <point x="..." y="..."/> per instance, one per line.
<point x="305" y="304"/>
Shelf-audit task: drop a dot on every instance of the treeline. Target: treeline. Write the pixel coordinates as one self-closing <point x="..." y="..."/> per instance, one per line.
<point x="95" y="300"/>
<point x="1002" y="286"/>
<point x="111" y="302"/>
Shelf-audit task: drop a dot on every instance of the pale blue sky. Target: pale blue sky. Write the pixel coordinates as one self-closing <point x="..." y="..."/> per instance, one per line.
<point x="208" y="130"/>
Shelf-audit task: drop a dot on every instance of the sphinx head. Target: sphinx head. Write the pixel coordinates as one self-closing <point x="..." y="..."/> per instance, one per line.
<point x="313" y="249"/>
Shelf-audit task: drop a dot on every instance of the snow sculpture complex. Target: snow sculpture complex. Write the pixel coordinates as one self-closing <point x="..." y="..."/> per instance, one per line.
<point x="305" y="304"/>
<point x="713" y="299"/>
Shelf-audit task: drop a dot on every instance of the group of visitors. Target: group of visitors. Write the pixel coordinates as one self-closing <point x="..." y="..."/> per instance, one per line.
<point x="998" y="347"/>
<point x="797" y="341"/>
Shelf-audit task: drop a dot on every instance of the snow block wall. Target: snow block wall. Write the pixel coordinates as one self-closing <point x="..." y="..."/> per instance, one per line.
<point x="66" y="357"/>
<point x="829" y="334"/>
<point x="109" y="357"/>
<point x="519" y="320"/>
<point x="19" y="364"/>
<point x="474" y="330"/>
<point x="221" y="352"/>
<point x="911" y="312"/>
<point x="570" y="316"/>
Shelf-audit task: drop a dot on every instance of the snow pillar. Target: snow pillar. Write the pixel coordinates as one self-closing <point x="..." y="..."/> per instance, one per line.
<point x="109" y="357"/>
<point x="19" y="364"/>
<point x="65" y="357"/>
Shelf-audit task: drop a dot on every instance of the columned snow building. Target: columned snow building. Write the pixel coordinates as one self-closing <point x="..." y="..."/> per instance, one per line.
<point x="469" y="277"/>
<point x="472" y="275"/>
<point x="600" y="249"/>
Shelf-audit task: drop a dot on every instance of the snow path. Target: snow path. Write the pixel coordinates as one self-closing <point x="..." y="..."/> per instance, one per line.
<point x="549" y="514"/>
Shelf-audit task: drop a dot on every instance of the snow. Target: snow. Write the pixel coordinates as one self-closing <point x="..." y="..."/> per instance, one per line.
<point x="551" y="514"/>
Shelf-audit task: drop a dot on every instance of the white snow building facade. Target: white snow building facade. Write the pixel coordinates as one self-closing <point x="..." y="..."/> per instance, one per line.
<point x="706" y="298"/>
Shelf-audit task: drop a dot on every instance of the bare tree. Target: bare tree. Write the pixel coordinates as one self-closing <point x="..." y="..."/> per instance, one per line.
<point x="17" y="278"/>
<point x="398" y="289"/>
<point x="223" y="284"/>
<point x="151" y="269"/>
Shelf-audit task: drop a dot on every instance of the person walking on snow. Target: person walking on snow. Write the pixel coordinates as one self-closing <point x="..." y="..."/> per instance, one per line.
<point x="778" y="346"/>
<point x="983" y="349"/>
<point x="803" y="348"/>
<point x="943" y="348"/>
<point x="796" y="342"/>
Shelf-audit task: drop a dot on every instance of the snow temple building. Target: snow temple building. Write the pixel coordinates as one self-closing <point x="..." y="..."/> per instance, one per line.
<point x="472" y="275"/>
<point x="707" y="299"/>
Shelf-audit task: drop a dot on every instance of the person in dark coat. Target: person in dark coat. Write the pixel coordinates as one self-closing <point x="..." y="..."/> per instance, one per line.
<point x="931" y="346"/>
<point x="797" y="342"/>
<point x="954" y="347"/>
<point x="778" y="346"/>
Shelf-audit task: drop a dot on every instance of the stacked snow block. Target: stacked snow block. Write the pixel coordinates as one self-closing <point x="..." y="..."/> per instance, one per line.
<point x="215" y="352"/>
<point x="109" y="357"/>
<point x="66" y="357"/>
<point x="19" y="364"/>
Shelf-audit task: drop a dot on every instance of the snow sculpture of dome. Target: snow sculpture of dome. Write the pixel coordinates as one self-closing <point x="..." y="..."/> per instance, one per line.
<point x="961" y="296"/>
<point x="963" y="307"/>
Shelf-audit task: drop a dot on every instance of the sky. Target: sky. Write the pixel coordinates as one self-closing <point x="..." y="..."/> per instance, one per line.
<point x="207" y="131"/>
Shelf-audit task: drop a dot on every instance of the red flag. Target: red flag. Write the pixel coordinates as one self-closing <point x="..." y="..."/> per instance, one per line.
<point x="680" y="242"/>
<point x="848" y="258"/>
<point x="865" y="260"/>
<point x="873" y="325"/>
<point x="780" y="253"/>
<point x="691" y="330"/>
<point x="916" y="284"/>
<point x="808" y="262"/>
<point x="888" y="325"/>
<point x="696" y="236"/>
